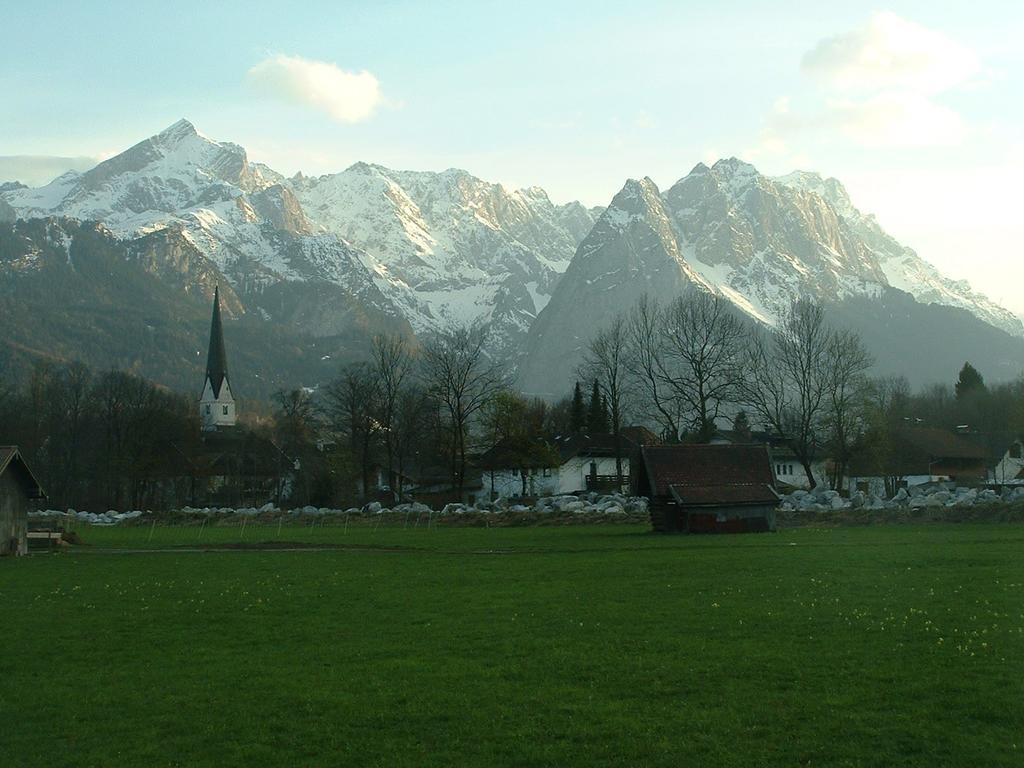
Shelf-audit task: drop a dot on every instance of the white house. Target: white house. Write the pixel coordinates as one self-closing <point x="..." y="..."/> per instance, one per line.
<point x="566" y="464"/>
<point x="786" y="468"/>
<point x="1010" y="468"/>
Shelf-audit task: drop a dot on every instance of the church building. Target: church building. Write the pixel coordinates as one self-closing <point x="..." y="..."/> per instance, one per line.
<point x="216" y="405"/>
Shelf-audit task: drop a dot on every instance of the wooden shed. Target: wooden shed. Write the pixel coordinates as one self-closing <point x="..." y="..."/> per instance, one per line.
<point x="18" y="489"/>
<point x="707" y="488"/>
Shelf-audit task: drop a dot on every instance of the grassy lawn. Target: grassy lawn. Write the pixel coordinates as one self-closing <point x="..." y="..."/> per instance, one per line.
<point x="583" y="645"/>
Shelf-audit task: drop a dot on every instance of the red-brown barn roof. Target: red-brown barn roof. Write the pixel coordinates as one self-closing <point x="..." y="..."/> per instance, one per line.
<point x="710" y="474"/>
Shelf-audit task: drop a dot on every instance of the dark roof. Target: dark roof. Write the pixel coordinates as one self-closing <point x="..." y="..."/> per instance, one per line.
<point x="640" y="435"/>
<point x="712" y="495"/>
<point x="710" y="474"/>
<point x="919" y="450"/>
<point x="941" y="444"/>
<point x="216" y="357"/>
<point x="594" y="444"/>
<point x="11" y="459"/>
<point x="994" y="444"/>
<point x="516" y="454"/>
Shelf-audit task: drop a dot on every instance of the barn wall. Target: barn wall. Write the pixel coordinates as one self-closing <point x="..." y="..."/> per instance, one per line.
<point x="13" y="516"/>
<point x="740" y="519"/>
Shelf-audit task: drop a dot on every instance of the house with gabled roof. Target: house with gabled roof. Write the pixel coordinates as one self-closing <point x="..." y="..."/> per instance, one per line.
<point x="562" y="465"/>
<point x="919" y="455"/>
<point x="19" y="490"/>
<point x="706" y="488"/>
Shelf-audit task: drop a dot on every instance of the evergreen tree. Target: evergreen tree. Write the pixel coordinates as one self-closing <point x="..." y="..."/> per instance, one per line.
<point x="578" y="413"/>
<point x="741" y="426"/>
<point x="970" y="382"/>
<point x="597" y="413"/>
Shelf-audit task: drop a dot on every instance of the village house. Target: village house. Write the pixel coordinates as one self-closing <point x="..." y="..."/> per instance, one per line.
<point x="919" y="455"/>
<point x="19" y="490"/>
<point x="566" y="464"/>
<point x="721" y="488"/>
<point x="786" y="467"/>
<point x="1009" y="469"/>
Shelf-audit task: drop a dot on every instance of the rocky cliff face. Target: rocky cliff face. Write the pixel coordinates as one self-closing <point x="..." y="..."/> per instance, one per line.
<point x="758" y="242"/>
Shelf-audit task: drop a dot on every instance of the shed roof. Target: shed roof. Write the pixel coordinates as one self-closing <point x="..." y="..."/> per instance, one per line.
<point x="11" y="460"/>
<point x="722" y="473"/>
<point x="714" y="495"/>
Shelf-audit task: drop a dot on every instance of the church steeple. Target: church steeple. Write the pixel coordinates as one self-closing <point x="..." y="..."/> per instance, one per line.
<point x="216" y="357"/>
<point x="216" y="405"/>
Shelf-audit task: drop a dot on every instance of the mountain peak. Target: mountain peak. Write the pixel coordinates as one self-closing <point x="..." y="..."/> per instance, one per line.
<point x="177" y="131"/>
<point x="733" y="166"/>
<point x="829" y="189"/>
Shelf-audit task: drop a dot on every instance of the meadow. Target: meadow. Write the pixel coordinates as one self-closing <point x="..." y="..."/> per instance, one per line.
<point x="562" y="646"/>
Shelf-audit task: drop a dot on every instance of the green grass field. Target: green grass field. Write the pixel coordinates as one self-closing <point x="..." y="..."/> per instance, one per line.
<point x="583" y="645"/>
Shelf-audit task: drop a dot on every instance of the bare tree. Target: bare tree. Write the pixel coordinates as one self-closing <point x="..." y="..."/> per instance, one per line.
<point x="646" y="364"/>
<point x="703" y="343"/>
<point x="350" y="404"/>
<point x="605" y="361"/>
<point x="786" y="382"/>
<point x="409" y="426"/>
<point x="461" y="379"/>
<point x="393" y="365"/>
<point x="846" y="365"/>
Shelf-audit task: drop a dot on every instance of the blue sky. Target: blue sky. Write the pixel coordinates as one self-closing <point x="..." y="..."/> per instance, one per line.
<point x="914" y="106"/>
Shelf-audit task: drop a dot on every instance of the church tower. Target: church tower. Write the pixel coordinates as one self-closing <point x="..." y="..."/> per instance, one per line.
<point x="216" y="405"/>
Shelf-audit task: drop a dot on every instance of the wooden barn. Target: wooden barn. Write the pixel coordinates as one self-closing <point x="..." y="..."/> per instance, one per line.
<point x="707" y="488"/>
<point x="18" y="489"/>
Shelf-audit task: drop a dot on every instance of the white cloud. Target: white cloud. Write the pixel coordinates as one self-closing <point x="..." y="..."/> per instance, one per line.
<point x="348" y="97"/>
<point x="892" y="53"/>
<point x="897" y="119"/>
<point x="879" y="86"/>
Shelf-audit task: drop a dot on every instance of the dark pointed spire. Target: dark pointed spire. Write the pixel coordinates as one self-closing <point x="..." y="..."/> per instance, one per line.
<point x="216" y="358"/>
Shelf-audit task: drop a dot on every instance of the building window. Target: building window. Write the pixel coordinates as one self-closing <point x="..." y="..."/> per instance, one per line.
<point x="207" y="408"/>
<point x="224" y="410"/>
<point x="547" y="472"/>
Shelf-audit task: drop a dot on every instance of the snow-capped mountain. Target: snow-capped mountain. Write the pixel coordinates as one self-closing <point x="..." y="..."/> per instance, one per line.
<point x="757" y="241"/>
<point x="369" y="248"/>
<point x="439" y="247"/>
<point x="449" y="246"/>
<point x="902" y="267"/>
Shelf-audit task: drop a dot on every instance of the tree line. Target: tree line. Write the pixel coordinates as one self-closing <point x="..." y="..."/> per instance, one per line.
<point x="692" y="364"/>
<point x="686" y="368"/>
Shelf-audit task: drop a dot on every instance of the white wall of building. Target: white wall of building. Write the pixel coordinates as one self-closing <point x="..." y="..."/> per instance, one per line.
<point x="508" y="483"/>
<point x="1010" y="465"/>
<point x="217" y="411"/>
<point x="572" y="476"/>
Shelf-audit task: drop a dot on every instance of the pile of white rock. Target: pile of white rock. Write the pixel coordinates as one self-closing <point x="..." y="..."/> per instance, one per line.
<point x="611" y="505"/>
<point x="916" y="497"/>
<point x="110" y="517"/>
